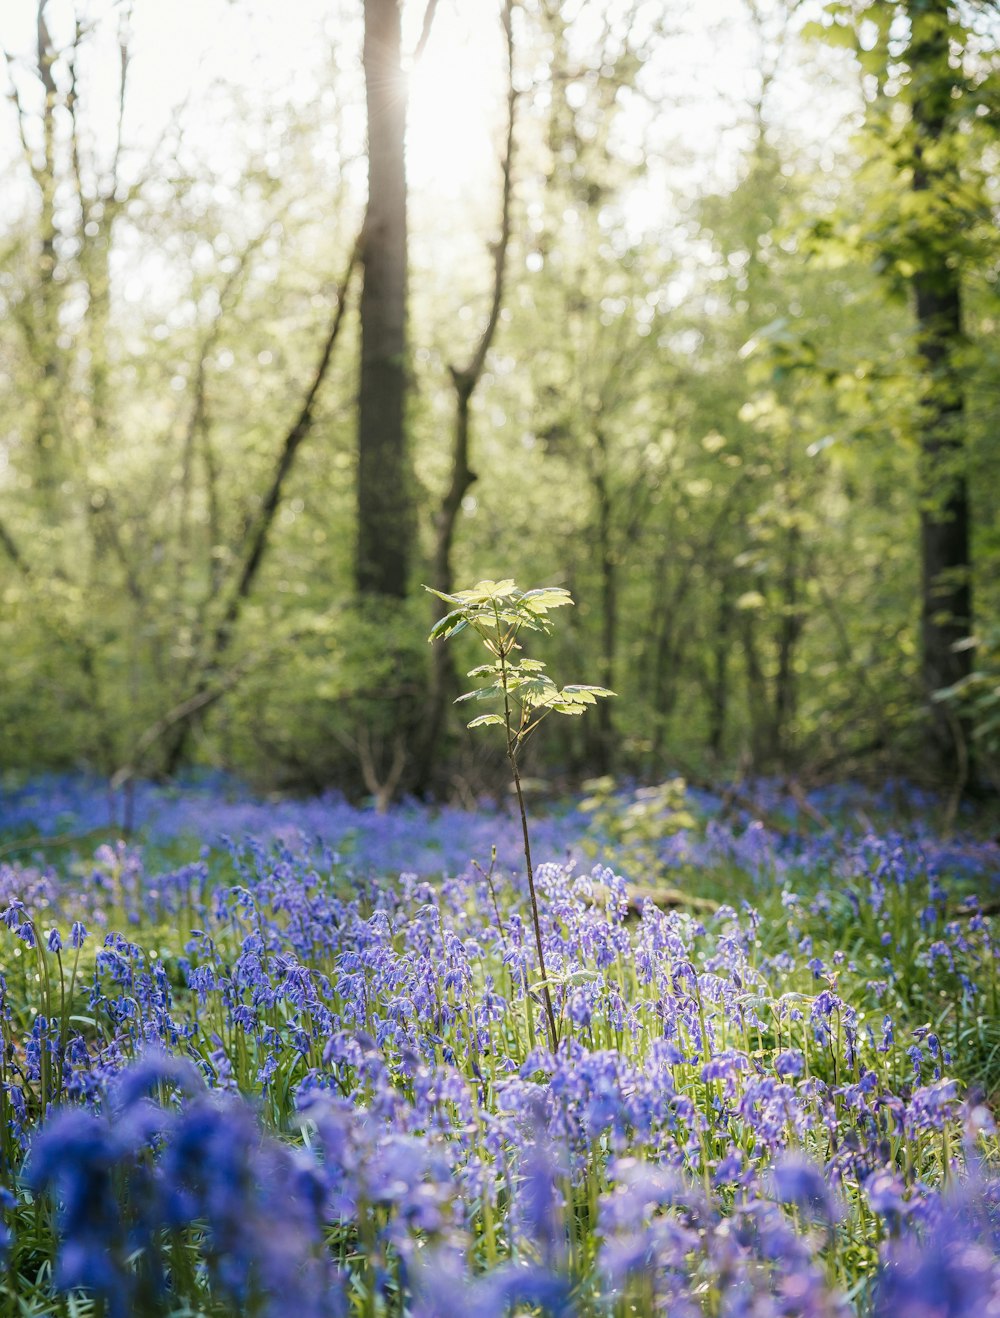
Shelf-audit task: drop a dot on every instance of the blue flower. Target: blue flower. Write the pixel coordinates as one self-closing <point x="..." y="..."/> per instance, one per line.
<point x="797" y="1180"/>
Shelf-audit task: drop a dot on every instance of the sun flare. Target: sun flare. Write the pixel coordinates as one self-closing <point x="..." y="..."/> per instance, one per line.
<point x="456" y="91"/>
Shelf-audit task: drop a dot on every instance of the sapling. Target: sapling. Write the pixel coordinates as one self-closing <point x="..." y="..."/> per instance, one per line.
<point x="498" y="613"/>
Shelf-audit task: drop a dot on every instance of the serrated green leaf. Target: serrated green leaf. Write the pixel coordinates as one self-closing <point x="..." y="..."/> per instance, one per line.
<point x="484" y="693"/>
<point x="483" y="669"/>
<point x="449" y="625"/>
<point x="484" y="591"/>
<point x="448" y="599"/>
<point x="485" y="720"/>
<point x="546" y="597"/>
<point x="534" y="690"/>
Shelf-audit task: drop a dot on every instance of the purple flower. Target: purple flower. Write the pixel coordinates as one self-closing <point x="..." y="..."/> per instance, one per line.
<point x="797" y="1180"/>
<point x="789" y="1063"/>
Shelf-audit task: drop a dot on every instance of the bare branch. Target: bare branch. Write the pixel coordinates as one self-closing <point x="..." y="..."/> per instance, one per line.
<point x="258" y="541"/>
<point x="381" y="789"/>
<point x="15" y="98"/>
<point x="228" y="296"/>
<point x="196" y="703"/>
<point x="295" y="436"/>
<point x="425" y="30"/>
<point x="13" y="552"/>
<point x="124" y="60"/>
<point x="72" y="98"/>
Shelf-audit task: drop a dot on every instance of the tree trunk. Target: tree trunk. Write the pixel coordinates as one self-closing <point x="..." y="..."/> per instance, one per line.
<point x="718" y="711"/>
<point x="609" y="604"/>
<point x="50" y="297"/>
<point x="946" y="594"/>
<point x="384" y="511"/>
<point x="443" y="680"/>
<point x="785" y="686"/>
<point x="466" y="379"/>
<point x="761" y="725"/>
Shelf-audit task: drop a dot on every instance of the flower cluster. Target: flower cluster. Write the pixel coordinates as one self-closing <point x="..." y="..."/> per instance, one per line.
<point x="269" y="1080"/>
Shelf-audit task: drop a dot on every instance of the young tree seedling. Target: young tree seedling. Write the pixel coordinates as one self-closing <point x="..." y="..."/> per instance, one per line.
<point x="498" y="613"/>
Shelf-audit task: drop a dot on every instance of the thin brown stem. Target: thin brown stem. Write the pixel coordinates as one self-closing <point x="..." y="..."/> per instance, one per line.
<point x="550" y="1016"/>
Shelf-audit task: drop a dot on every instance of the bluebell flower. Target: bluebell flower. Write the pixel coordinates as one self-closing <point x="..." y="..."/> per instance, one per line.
<point x="798" y="1180"/>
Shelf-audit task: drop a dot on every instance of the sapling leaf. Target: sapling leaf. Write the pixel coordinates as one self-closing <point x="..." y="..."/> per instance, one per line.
<point x="545" y="598"/>
<point x="483" y="720"/>
<point x="449" y="625"/>
<point x="448" y="599"/>
<point x="483" y="693"/>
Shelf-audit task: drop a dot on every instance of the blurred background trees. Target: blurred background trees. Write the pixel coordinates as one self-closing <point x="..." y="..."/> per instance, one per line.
<point x="692" y="310"/>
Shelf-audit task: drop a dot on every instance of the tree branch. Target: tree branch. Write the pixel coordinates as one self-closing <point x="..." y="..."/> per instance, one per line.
<point x="258" y="541"/>
<point x="13" y="552"/>
<point x="425" y="31"/>
<point x="299" y="430"/>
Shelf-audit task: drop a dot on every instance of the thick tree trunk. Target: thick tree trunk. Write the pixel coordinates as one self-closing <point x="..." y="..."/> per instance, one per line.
<point x="384" y="512"/>
<point x="946" y="601"/>
<point x="944" y="512"/>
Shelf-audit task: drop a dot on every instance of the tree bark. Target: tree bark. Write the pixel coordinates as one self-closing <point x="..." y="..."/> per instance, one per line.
<point x="946" y="565"/>
<point x="789" y="629"/>
<point x="385" y="529"/>
<point x="718" y="710"/>
<point x="761" y="726"/>
<point x="609" y="602"/>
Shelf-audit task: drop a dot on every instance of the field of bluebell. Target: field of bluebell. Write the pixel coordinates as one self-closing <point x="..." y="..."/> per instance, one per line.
<point x="291" y="1057"/>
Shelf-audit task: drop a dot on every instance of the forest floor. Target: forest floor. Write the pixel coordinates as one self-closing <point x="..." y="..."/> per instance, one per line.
<point x="265" y="1053"/>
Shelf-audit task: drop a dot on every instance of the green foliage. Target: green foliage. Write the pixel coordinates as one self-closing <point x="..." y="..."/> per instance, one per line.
<point x="976" y="697"/>
<point x="716" y="450"/>
<point x="498" y="612"/>
<point x="635" y="825"/>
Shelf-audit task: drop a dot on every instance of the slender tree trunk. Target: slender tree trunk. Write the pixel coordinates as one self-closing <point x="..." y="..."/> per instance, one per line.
<point x="719" y="688"/>
<point x="946" y="567"/>
<point x="785" y="686"/>
<point x="609" y="603"/>
<point x="465" y="380"/>
<point x="385" y="523"/>
<point x="47" y="438"/>
<point x="761" y="728"/>
<point x="443" y="680"/>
